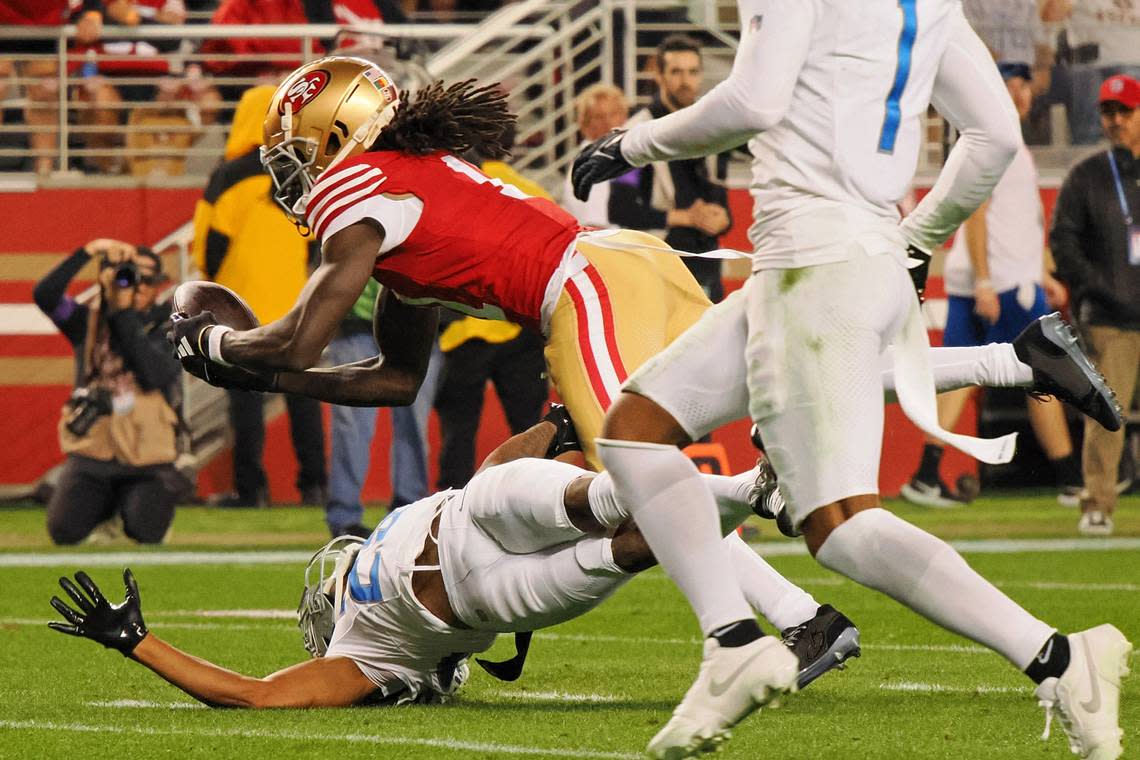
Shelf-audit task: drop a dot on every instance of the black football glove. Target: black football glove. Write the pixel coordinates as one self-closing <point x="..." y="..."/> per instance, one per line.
<point x="599" y="161"/>
<point x="190" y="335"/>
<point x="918" y="262"/>
<point x="115" y="626"/>
<point x="232" y="378"/>
<point x="565" y="436"/>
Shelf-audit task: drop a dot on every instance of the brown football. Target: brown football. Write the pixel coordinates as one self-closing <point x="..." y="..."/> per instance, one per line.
<point x="196" y="296"/>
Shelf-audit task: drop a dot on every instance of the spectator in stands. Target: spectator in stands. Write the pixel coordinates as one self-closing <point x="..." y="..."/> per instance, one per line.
<point x="1096" y="242"/>
<point x="188" y="91"/>
<point x="278" y="56"/>
<point x="598" y="109"/>
<point x="619" y="202"/>
<point x="118" y="431"/>
<point x="689" y="194"/>
<point x="354" y="426"/>
<point x="997" y="284"/>
<point x="477" y="351"/>
<point x="242" y="240"/>
<point x="33" y="60"/>
<point x="1103" y="39"/>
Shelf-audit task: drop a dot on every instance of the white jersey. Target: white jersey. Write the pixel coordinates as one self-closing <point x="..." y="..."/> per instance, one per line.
<point x="409" y="653"/>
<point x="1015" y="234"/>
<point x="831" y="95"/>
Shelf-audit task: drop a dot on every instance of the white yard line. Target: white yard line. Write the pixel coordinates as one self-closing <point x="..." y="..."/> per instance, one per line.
<point x="174" y="626"/>
<point x="140" y="559"/>
<point x="250" y="614"/>
<point x="938" y="688"/>
<point x="284" y="557"/>
<point x="554" y="696"/>
<point x="457" y="745"/>
<point x="142" y="703"/>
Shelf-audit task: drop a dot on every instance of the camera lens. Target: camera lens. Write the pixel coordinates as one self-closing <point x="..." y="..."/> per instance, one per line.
<point x="126" y="275"/>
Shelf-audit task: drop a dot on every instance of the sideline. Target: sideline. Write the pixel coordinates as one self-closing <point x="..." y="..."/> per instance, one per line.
<point x="279" y="557"/>
<point x="457" y="745"/>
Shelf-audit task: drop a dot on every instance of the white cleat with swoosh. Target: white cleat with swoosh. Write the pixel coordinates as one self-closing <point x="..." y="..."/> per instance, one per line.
<point x="1086" y="698"/>
<point x="732" y="682"/>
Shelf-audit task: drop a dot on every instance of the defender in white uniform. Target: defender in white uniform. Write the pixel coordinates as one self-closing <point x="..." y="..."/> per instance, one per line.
<point x="830" y="95"/>
<point x="393" y="619"/>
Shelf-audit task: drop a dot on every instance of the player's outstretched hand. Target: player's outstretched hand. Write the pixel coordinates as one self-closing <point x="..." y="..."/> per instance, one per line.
<point x="599" y="161"/>
<point x="190" y="336"/>
<point x="918" y="262"/>
<point x="115" y="626"/>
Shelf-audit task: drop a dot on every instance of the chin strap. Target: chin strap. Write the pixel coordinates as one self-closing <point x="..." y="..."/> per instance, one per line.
<point x="510" y="670"/>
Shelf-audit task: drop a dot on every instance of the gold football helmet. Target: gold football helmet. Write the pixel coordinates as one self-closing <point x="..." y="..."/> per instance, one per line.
<point x="323" y="113"/>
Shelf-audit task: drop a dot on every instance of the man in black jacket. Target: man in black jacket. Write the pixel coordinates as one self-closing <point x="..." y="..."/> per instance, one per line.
<point x="690" y="191"/>
<point x="118" y="430"/>
<point x="1096" y="243"/>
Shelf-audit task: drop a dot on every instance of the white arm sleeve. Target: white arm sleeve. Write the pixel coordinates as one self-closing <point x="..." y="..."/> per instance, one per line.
<point x="969" y="93"/>
<point x="775" y="35"/>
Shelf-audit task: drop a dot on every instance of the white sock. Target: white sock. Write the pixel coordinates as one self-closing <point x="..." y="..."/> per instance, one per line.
<point x="994" y="365"/>
<point x="676" y="514"/>
<point x="603" y="501"/>
<point x="731" y="495"/>
<point x="881" y="551"/>
<point x="729" y="491"/>
<point x="769" y="593"/>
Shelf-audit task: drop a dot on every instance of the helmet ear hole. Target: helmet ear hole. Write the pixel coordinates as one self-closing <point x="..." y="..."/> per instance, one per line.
<point x="332" y="145"/>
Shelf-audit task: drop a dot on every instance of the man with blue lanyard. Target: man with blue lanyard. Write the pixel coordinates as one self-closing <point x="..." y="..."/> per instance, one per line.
<point x="1096" y="243"/>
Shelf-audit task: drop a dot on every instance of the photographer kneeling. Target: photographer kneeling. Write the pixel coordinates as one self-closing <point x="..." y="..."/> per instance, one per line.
<point x="118" y="430"/>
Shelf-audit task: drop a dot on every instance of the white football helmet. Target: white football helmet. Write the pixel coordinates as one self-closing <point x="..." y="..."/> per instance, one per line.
<point x="324" y="591"/>
<point x="323" y="113"/>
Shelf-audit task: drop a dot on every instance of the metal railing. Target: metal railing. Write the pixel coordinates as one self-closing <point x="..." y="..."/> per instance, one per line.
<point x="543" y="51"/>
<point x="94" y="119"/>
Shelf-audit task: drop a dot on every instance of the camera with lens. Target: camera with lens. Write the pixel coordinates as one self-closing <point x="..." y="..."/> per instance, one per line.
<point x="87" y="405"/>
<point x="126" y="274"/>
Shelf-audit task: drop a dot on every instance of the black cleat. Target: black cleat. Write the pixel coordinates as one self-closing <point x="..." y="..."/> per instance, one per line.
<point x="765" y="499"/>
<point x="823" y="643"/>
<point x="1062" y="370"/>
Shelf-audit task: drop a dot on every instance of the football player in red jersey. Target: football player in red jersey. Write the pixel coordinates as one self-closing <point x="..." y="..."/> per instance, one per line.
<point x="380" y="183"/>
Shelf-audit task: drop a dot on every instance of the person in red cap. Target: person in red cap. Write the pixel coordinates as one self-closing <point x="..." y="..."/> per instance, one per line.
<point x="1096" y="243"/>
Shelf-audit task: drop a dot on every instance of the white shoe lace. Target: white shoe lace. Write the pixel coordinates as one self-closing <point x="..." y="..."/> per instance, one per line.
<point x="1048" y="705"/>
<point x="1054" y="708"/>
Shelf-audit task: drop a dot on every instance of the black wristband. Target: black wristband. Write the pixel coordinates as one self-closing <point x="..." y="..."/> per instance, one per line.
<point x="565" y="436"/>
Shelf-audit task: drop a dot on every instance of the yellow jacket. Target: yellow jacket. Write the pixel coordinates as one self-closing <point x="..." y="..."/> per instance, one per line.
<point x="241" y="238"/>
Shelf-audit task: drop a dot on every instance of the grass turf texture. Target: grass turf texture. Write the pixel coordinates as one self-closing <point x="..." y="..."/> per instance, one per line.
<point x="599" y="686"/>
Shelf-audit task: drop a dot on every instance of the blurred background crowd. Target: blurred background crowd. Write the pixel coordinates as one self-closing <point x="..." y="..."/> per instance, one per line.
<point x="168" y="95"/>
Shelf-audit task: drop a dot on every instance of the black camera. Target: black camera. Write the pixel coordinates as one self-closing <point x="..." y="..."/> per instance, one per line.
<point x="126" y="275"/>
<point x="87" y="405"/>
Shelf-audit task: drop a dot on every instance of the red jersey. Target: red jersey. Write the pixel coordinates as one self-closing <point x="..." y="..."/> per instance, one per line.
<point x="452" y="235"/>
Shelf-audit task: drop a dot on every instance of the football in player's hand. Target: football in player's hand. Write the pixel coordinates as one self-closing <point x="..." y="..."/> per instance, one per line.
<point x="227" y="307"/>
<point x="196" y="296"/>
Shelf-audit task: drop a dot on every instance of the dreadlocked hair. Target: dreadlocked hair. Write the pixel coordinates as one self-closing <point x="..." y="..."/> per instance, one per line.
<point x="456" y="119"/>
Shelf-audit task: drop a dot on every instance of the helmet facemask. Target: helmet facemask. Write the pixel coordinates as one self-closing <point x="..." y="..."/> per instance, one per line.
<point x="323" y="595"/>
<point x="289" y="168"/>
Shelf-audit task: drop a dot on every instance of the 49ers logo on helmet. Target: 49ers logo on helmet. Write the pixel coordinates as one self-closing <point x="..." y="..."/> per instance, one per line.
<point x="304" y="90"/>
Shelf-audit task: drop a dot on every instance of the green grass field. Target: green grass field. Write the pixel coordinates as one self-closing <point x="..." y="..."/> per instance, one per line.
<point x="598" y="687"/>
